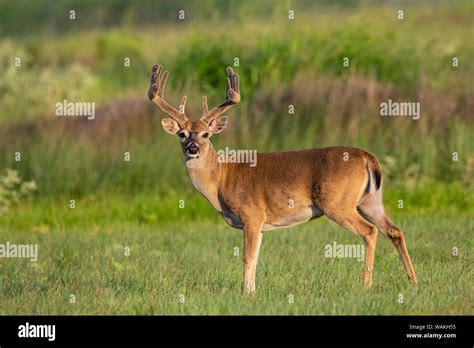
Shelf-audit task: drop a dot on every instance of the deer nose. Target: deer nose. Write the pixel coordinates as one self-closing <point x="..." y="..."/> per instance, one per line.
<point x="193" y="148"/>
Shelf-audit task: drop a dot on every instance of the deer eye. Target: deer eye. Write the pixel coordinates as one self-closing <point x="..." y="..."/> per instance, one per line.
<point x="205" y="135"/>
<point x="182" y="135"/>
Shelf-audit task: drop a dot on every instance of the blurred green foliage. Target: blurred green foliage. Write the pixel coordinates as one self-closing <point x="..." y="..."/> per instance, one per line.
<point x="281" y="62"/>
<point x="13" y="189"/>
<point x="22" y="17"/>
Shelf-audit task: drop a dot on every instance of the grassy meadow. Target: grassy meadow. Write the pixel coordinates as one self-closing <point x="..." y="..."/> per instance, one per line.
<point x="130" y="247"/>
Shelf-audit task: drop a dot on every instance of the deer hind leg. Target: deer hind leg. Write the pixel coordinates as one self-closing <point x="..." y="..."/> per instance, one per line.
<point x="372" y="209"/>
<point x="352" y="221"/>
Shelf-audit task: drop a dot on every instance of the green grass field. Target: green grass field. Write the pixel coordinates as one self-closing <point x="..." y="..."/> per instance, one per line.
<point x="83" y="252"/>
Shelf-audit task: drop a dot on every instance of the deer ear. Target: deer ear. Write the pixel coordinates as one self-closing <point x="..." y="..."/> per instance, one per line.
<point x="170" y="126"/>
<point x="219" y="124"/>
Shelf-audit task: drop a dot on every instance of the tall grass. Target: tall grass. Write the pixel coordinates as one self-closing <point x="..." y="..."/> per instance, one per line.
<point x="281" y="63"/>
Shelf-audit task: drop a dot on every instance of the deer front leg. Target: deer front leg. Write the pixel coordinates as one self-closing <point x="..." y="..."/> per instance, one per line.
<point x="252" y="242"/>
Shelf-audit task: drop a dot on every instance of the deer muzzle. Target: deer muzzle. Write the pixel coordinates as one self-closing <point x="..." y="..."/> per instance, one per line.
<point x="192" y="149"/>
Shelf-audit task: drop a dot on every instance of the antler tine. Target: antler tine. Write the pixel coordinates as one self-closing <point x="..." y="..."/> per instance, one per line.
<point x="232" y="98"/>
<point x="156" y="93"/>
<point x="205" y="107"/>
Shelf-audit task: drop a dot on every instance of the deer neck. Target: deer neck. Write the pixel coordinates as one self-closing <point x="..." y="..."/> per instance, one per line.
<point x="205" y="173"/>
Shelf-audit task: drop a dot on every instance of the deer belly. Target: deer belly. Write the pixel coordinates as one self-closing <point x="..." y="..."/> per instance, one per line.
<point x="292" y="218"/>
<point x="232" y="219"/>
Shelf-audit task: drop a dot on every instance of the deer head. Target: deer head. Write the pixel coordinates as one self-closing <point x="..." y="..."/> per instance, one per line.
<point x="194" y="135"/>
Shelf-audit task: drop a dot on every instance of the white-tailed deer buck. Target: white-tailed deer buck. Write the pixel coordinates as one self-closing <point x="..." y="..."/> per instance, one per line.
<point x="343" y="183"/>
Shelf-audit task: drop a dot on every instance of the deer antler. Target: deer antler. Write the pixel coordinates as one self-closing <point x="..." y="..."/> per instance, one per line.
<point x="156" y="95"/>
<point x="232" y="98"/>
